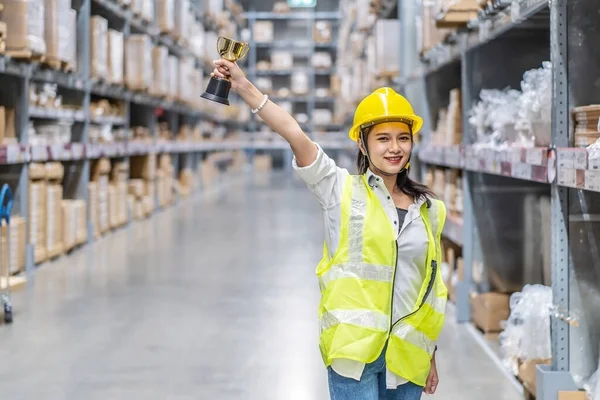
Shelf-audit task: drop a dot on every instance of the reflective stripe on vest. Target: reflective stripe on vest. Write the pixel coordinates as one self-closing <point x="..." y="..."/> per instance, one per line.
<point x="357" y="289"/>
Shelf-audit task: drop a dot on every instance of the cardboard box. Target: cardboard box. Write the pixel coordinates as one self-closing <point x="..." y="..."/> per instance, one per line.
<point x="115" y="56"/>
<point x="572" y="396"/>
<point x="37" y="219"/>
<point x="54" y="227"/>
<point x="93" y="210"/>
<point x="57" y="28"/>
<point x="71" y="49"/>
<point x="263" y="31"/>
<point x="165" y="15"/>
<point x="173" y="82"/>
<point x="160" y="67"/>
<point x="103" y="204"/>
<point x="81" y="235"/>
<point x="113" y="206"/>
<point x="138" y="63"/>
<point x="99" y="47"/>
<point x="527" y="373"/>
<point x="489" y="309"/>
<point x="13" y="259"/>
<point x="24" y="26"/>
<point x="182" y="19"/>
<point x="69" y="221"/>
<point x="143" y="167"/>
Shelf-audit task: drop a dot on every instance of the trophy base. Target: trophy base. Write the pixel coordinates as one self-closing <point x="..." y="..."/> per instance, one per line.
<point x="217" y="91"/>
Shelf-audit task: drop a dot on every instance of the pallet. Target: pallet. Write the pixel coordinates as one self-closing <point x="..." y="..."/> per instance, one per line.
<point x="57" y="64"/>
<point x="25" y="55"/>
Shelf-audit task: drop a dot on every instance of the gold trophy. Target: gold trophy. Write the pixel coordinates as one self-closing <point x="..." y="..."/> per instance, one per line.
<point x="231" y="50"/>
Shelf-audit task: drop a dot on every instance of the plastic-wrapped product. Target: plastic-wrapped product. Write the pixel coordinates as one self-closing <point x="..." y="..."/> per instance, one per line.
<point x="535" y="108"/>
<point x="493" y="117"/>
<point x="115" y="56"/>
<point x="526" y="335"/>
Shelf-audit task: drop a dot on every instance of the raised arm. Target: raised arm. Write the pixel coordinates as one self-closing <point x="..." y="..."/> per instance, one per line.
<point x="276" y="117"/>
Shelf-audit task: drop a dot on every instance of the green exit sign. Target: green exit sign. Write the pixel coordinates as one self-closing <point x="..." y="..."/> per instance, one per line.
<point x="302" y="3"/>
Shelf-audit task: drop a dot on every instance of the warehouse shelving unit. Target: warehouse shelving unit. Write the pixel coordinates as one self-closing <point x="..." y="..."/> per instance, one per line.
<point x="77" y="88"/>
<point x="505" y="189"/>
<point x="293" y="32"/>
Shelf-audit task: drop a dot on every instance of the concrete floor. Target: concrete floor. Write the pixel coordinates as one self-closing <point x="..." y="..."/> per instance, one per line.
<point x="214" y="299"/>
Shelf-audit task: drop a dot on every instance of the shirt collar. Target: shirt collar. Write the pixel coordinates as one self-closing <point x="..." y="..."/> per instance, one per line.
<point x="375" y="180"/>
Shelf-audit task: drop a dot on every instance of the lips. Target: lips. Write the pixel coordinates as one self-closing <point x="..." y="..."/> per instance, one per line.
<point x="394" y="160"/>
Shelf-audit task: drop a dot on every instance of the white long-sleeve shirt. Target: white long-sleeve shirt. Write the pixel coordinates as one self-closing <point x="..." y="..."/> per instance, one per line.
<point x="325" y="179"/>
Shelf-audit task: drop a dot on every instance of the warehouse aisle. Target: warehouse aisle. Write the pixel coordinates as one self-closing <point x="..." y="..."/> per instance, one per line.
<point x="214" y="299"/>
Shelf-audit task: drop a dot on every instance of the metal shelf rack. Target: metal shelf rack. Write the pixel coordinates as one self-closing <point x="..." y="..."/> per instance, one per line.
<point x="302" y="44"/>
<point x="17" y="77"/>
<point x="497" y="183"/>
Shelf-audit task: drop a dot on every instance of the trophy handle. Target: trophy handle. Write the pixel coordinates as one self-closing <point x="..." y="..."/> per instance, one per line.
<point x="245" y="50"/>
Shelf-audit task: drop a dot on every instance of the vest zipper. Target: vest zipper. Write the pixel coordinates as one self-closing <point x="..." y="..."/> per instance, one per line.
<point x="427" y="292"/>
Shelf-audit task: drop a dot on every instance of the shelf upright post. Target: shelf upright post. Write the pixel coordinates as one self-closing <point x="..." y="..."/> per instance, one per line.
<point x="470" y="237"/>
<point x="83" y="69"/>
<point x="22" y="190"/>
<point x="554" y="378"/>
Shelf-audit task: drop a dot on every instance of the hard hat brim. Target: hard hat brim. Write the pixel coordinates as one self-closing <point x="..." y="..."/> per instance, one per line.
<point x="414" y="121"/>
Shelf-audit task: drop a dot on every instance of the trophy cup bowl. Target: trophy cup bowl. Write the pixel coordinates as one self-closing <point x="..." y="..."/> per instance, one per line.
<point x="218" y="88"/>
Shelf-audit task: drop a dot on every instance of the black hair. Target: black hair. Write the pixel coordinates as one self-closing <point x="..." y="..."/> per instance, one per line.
<point x="403" y="182"/>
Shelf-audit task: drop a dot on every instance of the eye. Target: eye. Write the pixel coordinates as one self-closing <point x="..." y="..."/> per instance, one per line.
<point x="404" y="138"/>
<point x="383" y="139"/>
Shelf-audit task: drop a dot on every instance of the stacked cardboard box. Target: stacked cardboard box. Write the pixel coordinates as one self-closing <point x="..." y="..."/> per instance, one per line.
<point x="99" y="48"/>
<point x="37" y="211"/>
<point x="456" y="274"/>
<point x="142" y="185"/>
<point x="74" y="223"/>
<point x="449" y="124"/>
<point x="164" y="182"/>
<point x="183" y="19"/>
<point x="187" y="182"/>
<point x="13" y="259"/>
<point x="117" y="194"/>
<point x="431" y="35"/>
<point x="98" y="195"/>
<point x="54" y="195"/>
<point x="587" y="125"/>
<point x="24" y="26"/>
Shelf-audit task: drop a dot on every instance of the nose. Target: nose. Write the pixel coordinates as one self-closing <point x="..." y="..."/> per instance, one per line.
<point x="394" y="148"/>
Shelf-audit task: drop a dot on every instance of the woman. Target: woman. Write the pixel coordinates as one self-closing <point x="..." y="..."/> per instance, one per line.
<point x="382" y="296"/>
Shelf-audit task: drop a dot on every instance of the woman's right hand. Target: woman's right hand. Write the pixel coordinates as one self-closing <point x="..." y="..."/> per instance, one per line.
<point x="229" y="70"/>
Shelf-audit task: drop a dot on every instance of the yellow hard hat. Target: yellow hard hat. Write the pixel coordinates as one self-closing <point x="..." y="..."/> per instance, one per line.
<point x="384" y="105"/>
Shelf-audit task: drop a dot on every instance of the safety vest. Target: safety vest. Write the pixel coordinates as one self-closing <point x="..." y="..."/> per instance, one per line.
<point x="357" y="285"/>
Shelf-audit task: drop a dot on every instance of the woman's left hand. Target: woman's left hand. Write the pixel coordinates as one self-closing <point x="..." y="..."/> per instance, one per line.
<point x="432" y="379"/>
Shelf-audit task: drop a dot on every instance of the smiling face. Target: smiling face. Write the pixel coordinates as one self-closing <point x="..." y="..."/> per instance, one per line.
<point x="389" y="145"/>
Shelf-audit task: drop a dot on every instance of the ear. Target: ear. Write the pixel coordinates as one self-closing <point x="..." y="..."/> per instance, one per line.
<point x="361" y="147"/>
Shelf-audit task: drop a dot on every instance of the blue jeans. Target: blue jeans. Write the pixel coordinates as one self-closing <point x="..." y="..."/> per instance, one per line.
<point x="371" y="385"/>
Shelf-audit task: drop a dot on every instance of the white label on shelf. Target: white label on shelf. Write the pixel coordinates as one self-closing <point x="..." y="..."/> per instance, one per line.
<point x="580" y="159"/>
<point x="591" y="180"/>
<point x="567" y="177"/>
<point x="565" y="158"/>
<point x="534" y="156"/>
<point x="521" y="171"/>
<point x="594" y="163"/>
